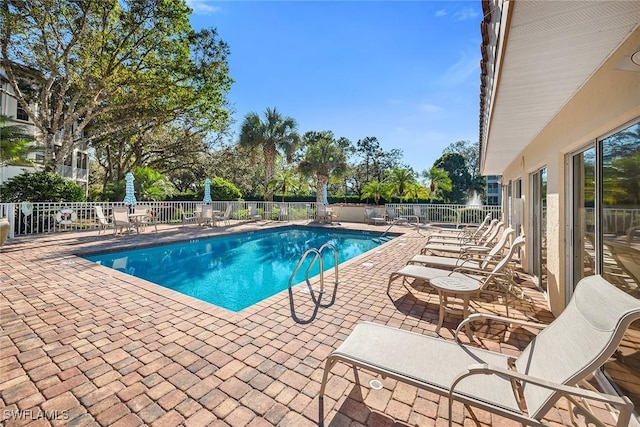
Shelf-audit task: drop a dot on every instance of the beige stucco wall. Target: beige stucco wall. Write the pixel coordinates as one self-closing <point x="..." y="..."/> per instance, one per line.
<point x="608" y="101"/>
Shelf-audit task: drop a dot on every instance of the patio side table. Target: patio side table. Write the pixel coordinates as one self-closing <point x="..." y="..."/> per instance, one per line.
<point x="449" y="286"/>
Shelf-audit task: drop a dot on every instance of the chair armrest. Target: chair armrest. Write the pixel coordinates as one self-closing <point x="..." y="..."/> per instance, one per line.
<point x="486" y="316"/>
<point x="623" y="402"/>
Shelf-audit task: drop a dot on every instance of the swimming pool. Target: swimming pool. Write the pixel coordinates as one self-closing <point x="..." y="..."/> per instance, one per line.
<point x="239" y="270"/>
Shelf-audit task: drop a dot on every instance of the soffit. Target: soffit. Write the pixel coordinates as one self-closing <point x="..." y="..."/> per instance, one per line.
<point x="552" y="49"/>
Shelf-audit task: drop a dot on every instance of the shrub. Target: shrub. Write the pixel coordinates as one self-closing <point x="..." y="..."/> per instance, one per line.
<point x="221" y="189"/>
<point x="40" y="187"/>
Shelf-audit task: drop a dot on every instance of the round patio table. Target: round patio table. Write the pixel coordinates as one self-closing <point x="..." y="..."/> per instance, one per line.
<point x="449" y="286"/>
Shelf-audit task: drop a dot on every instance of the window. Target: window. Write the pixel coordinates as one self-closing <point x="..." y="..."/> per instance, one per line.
<point x="21" y="114"/>
<point x="605" y="233"/>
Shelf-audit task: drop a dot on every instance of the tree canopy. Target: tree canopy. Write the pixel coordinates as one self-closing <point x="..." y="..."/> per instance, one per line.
<point x="100" y="68"/>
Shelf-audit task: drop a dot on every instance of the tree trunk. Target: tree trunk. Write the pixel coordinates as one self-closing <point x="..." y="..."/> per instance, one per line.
<point x="322" y="180"/>
<point x="269" y="152"/>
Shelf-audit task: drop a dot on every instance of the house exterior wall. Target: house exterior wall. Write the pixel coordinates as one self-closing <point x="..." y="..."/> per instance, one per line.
<point x="607" y="101"/>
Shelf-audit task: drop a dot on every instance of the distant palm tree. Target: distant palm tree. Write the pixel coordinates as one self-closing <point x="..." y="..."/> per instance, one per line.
<point x="276" y="134"/>
<point x="283" y="181"/>
<point x="323" y="157"/>
<point x="439" y="181"/>
<point x="375" y="190"/>
<point x="400" y="179"/>
<point x="15" y="143"/>
<point x="415" y="191"/>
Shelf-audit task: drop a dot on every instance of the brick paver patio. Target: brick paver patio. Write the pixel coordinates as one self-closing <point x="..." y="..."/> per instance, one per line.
<point x="86" y="345"/>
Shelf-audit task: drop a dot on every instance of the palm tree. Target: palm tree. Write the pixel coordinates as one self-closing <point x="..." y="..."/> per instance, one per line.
<point x="323" y="157"/>
<point x="276" y="134"/>
<point x="400" y="179"/>
<point x="415" y="191"/>
<point x="15" y="143"/>
<point x="283" y="181"/>
<point x="375" y="190"/>
<point x="439" y="181"/>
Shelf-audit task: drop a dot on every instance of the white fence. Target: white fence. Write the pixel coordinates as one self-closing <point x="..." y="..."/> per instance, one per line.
<point x="53" y="217"/>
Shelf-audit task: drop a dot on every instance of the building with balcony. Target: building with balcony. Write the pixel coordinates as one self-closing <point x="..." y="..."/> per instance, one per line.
<point x="493" y="190"/>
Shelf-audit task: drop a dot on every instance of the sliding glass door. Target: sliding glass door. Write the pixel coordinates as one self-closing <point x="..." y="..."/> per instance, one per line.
<point x="539" y="226"/>
<point x="605" y="234"/>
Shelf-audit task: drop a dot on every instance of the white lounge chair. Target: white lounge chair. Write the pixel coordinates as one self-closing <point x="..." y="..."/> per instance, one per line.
<point x="253" y="213"/>
<point x="226" y="216"/>
<point x="103" y="222"/>
<point x="552" y="366"/>
<point x="499" y="279"/>
<point x="468" y="258"/>
<point x="461" y="237"/>
<point x="371" y="218"/>
<point x="484" y="244"/>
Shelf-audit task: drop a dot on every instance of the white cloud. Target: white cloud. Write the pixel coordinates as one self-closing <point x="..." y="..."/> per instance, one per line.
<point x="466" y="13"/>
<point x="200" y="7"/>
<point x="466" y="66"/>
<point x="441" y="12"/>
<point x="430" y="108"/>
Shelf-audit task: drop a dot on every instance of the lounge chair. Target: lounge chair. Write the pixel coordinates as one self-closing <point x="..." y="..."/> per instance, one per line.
<point x="187" y="218"/>
<point x="553" y="365"/>
<point x="371" y="218"/>
<point x="468" y="233"/>
<point x="120" y="215"/>
<point x="499" y="279"/>
<point x="283" y="212"/>
<point x="253" y="213"/>
<point x="103" y="222"/>
<point x="482" y="245"/>
<point x="468" y="258"/>
<point x="393" y="217"/>
<point x="461" y="237"/>
<point x="226" y="216"/>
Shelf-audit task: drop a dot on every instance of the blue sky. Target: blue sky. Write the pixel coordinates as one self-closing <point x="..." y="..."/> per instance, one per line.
<point x="406" y="72"/>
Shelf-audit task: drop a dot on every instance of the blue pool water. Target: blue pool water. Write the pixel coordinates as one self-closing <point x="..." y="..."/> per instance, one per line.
<point x="237" y="271"/>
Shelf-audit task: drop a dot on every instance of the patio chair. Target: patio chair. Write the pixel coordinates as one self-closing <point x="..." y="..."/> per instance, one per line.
<point x="206" y="215"/>
<point x="147" y="218"/>
<point x="461" y="237"/>
<point x="552" y="366"/>
<point x="484" y="244"/>
<point x="187" y="218"/>
<point x="393" y="218"/>
<point x="371" y="218"/>
<point x="324" y="214"/>
<point x="120" y="216"/>
<point x="283" y="212"/>
<point x="466" y="233"/>
<point x="253" y="213"/>
<point x="499" y="279"/>
<point x="103" y="222"/>
<point x="468" y="258"/>
<point x="226" y="216"/>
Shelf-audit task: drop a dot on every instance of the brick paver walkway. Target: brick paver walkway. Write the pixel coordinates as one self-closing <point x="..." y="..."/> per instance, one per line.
<point x="86" y="345"/>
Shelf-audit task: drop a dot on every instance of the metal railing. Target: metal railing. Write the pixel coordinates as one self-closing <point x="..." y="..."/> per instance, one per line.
<point x="53" y="217"/>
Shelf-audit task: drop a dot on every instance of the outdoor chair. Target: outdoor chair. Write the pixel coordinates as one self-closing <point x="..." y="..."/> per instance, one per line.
<point x="498" y="279"/>
<point x="103" y="222"/>
<point x="147" y="218"/>
<point x="206" y="215"/>
<point x="371" y="218"/>
<point x="226" y="216"/>
<point x="555" y="364"/>
<point x="253" y="213"/>
<point x="120" y="216"/>
<point x="468" y="258"/>
<point x="484" y="244"/>
<point x="187" y="218"/>
<point x="466" y="233"/>
<point x="393" y="218"/>
<point x="324" y="214"/>
<point x="461" y="237"/>
<point x="283" y="212"/>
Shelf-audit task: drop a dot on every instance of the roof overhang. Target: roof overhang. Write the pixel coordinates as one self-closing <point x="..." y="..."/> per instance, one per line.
<point x="543" y="53"/>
